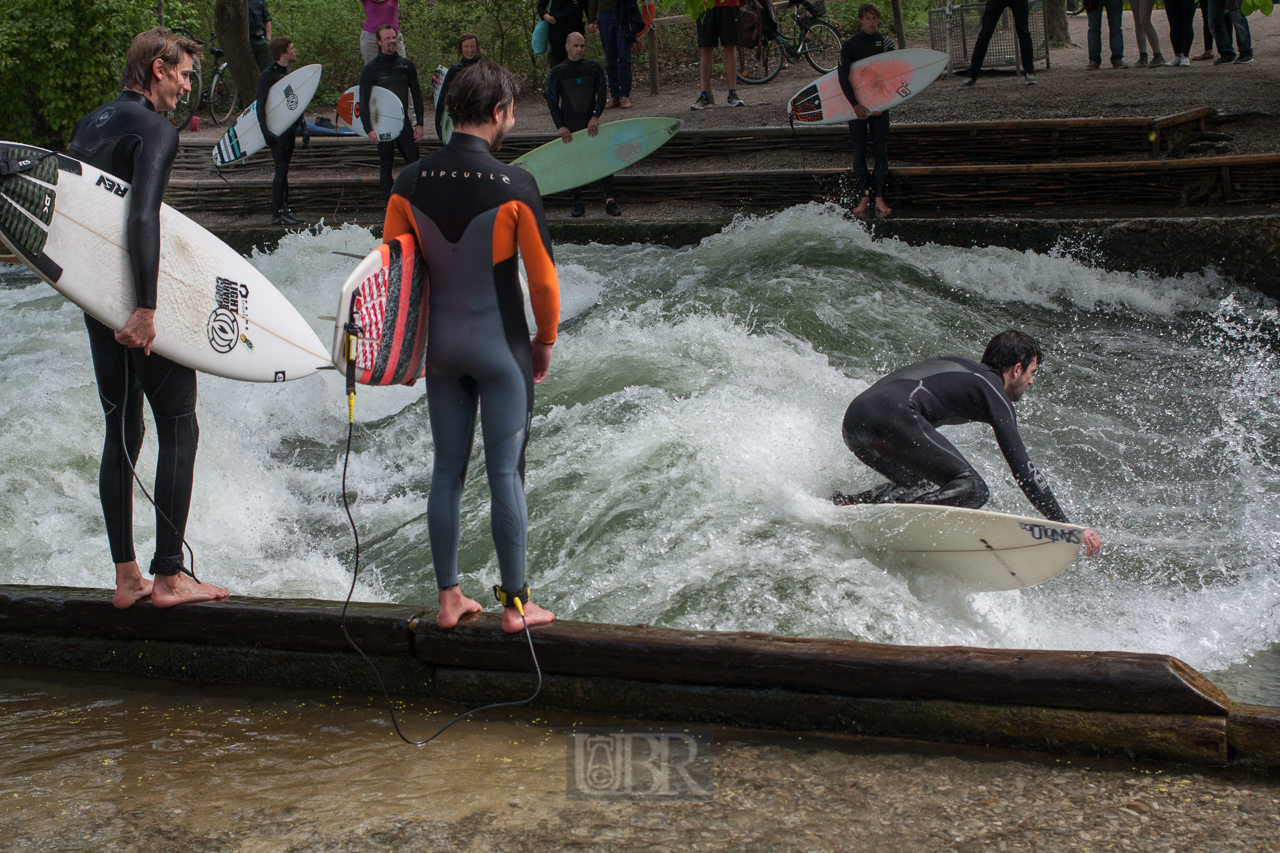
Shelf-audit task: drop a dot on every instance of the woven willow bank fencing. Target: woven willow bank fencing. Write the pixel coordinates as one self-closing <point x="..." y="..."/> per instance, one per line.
<point x="1205" y="181"/>
<point x="939" y="144"/>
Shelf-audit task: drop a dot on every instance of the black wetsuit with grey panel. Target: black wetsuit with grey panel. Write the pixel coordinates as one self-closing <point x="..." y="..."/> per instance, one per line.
<point x="478" y="350"/>
<point x="399" y="76"/>
<point x="282" y="145"/>
<point x="127" y="138"/>
<point x="892" y="428"/>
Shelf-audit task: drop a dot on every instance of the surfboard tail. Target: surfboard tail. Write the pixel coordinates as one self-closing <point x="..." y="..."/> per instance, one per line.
<point x="806" y="106"/>
<point x="27" y="196"/>
<point x="391" y="307"/>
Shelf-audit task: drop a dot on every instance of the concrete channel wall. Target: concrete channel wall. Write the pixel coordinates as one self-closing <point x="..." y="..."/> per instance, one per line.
<point x="1094" y="703"/>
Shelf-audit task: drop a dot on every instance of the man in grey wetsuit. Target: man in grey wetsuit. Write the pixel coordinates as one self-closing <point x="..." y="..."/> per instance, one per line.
<point x="470" y="212"/>
<point x="127" y="138"/>
<point x="892" y="428"/>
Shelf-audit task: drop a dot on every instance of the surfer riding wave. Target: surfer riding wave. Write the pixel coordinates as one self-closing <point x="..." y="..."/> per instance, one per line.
<point x="892" y="428"/>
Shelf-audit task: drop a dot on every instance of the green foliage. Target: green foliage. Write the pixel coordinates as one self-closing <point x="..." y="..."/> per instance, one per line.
<point x="60" y="60"/>
<point x="1248" y="7"/>
<point x="689" y="8"/>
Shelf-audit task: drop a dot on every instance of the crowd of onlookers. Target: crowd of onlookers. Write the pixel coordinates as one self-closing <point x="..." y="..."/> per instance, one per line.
<point x="1222" y="25"/>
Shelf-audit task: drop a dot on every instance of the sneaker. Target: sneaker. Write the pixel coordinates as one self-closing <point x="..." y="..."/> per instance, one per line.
<point x="1119" y="63"/>
<point x="1157" y="61"/>
<point x="1094" y="66"/>
<point x="624" y="102"/>
<point x="1208" y="54"/>
<point x="290" y="219"/>
<point x="279" y="219"/>
<point x="704" y="101"/>
<point x="612" y="104"/>
<point x="1142" y="61"/>
<point x="1244" y="60"/>
<point x="1029" y="79"/>
<point x="968" y="83"/>
<point x="611" y="208"/>
<point x="734" y="101"/>
<point x="1183" y="62"/>
<point x="1222" y="60"/>
<point x="579" y="209"/>
<point x="1173" y="63"/>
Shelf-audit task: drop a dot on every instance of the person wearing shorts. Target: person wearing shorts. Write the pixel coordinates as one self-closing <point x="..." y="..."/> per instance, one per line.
<point x="719" y="25"/>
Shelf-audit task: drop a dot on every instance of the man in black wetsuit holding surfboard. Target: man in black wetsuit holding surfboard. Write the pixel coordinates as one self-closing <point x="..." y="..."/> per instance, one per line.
<point x="892" y="427"/>
<point x="470" y="213"/>
<point x="577" y="90"/>
<point x="128" y="138"/>
<point x="865" y="43"/>
<point x="399" y="76"/>
<point x="284" y="52"/>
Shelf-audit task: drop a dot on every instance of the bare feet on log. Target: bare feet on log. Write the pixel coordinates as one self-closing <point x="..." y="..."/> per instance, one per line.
<point x="533" y="615"/>
<point x="453" y="606"/>
<point x="131" y="586"/>
<point x="170" y="590"/>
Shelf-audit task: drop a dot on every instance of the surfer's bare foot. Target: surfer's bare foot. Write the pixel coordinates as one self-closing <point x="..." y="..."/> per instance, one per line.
<point x="861" y="209"/>
<point x="882" y="209"/>
<point x="171" y="590"/>
<point x="533" y="615"/>
<point x="453" y="606"/>
<point x="131" y="586"/>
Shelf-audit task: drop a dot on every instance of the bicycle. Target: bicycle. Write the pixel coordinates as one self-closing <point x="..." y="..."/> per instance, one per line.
<point x="808" y="33"/>
<point x="222" y="97"/>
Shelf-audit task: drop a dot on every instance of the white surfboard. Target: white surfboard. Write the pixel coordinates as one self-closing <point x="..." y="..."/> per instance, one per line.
<point x="67" y="221"/>
<point x="287" y="100"/>
<point x="437" y="82"/>
<point x="985" y="551"/>
<point x="880" y="82"/>
<point x="386" y="113"/>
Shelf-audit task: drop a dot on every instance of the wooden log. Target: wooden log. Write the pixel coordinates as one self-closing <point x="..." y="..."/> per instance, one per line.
<point x="287" y="624"/>
<point x="1119" y="682"/>
<point x="1160" y="737"/>
<point x="1253" y="736"/>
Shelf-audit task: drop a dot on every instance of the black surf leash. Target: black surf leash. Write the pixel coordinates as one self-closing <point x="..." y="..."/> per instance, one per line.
<point x="352" y="336"/>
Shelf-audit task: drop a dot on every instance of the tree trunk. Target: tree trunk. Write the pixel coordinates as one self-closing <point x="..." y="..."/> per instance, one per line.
<point x="898" y="26"/>
<point x="231" y="20"/>
<point x="1055" y="21"/>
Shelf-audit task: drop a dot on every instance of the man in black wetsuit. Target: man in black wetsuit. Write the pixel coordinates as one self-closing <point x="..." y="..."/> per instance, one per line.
<point x="468" y="54"/>
<point x="577" y="90"/>
<point x="284" y="53"/>
<point x="892" y="428"/>
<point x="393" y="72"/>
<point x="470" y="213"/>
<point x="129" y="139"/>
<point x="866" y="42"/>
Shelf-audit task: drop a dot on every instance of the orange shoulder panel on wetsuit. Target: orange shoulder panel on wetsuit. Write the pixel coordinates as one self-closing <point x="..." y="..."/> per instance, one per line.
<point x="517" y="224"/>
<point x="399" y="220"/>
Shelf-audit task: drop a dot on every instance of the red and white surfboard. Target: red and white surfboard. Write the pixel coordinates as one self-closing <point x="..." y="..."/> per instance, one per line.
<point x="386" y="297"/>
<point x="879" y="82"/>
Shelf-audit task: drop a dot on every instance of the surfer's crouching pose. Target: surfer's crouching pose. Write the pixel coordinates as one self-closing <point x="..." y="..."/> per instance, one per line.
<point x="892" y="428"/>
<point x="469" y="213"/>
<point x="128" y="138"/>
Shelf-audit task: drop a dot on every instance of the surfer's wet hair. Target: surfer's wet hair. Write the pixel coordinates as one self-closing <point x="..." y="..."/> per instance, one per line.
<point x="466" y="37"/>
<point x="1012" y="347"/>
<point x="477" y="91"/>
<point x="868" y="9"/>
<point x="279" y="47"/>
<point x="149" y="46"/>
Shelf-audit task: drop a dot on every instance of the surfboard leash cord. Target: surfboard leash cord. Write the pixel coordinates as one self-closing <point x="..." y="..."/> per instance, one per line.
<point x="353" y="332"/>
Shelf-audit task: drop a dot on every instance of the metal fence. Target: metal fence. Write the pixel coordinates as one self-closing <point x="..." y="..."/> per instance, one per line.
<point x="954" y="28"/>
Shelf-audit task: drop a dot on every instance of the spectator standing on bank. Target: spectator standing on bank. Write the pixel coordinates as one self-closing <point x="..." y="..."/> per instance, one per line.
<point x="284" y="53"/>
<point x="1182" y="31"/>
<point x="260" y="33"/>
<point x="392" y="71"/>
<point x="719" y="25"/>
<point x="564" y="16"/>
<point x="376" y="14"/>
<point x="865" y="43"/>
<point x="1115" y="23"/>
<point x="1204" y="26"/>
<point x="576" y="92"/>
<point x="1222" y="20"/>
<point x="602" y="16"/>
<point x="1145" y="34"/>
<point x="990" y="20"/>
<point x="468" y="54"/>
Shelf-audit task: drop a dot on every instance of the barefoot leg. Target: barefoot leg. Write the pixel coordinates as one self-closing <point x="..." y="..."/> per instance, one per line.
<point x="170" y="590"/>
<point x="453" y="606"/>
<point x="533" y="615"/>
<point x="131" y="586"/>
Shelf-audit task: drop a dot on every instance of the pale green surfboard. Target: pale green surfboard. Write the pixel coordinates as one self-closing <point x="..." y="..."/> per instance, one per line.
<point x="560" y="165"/>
